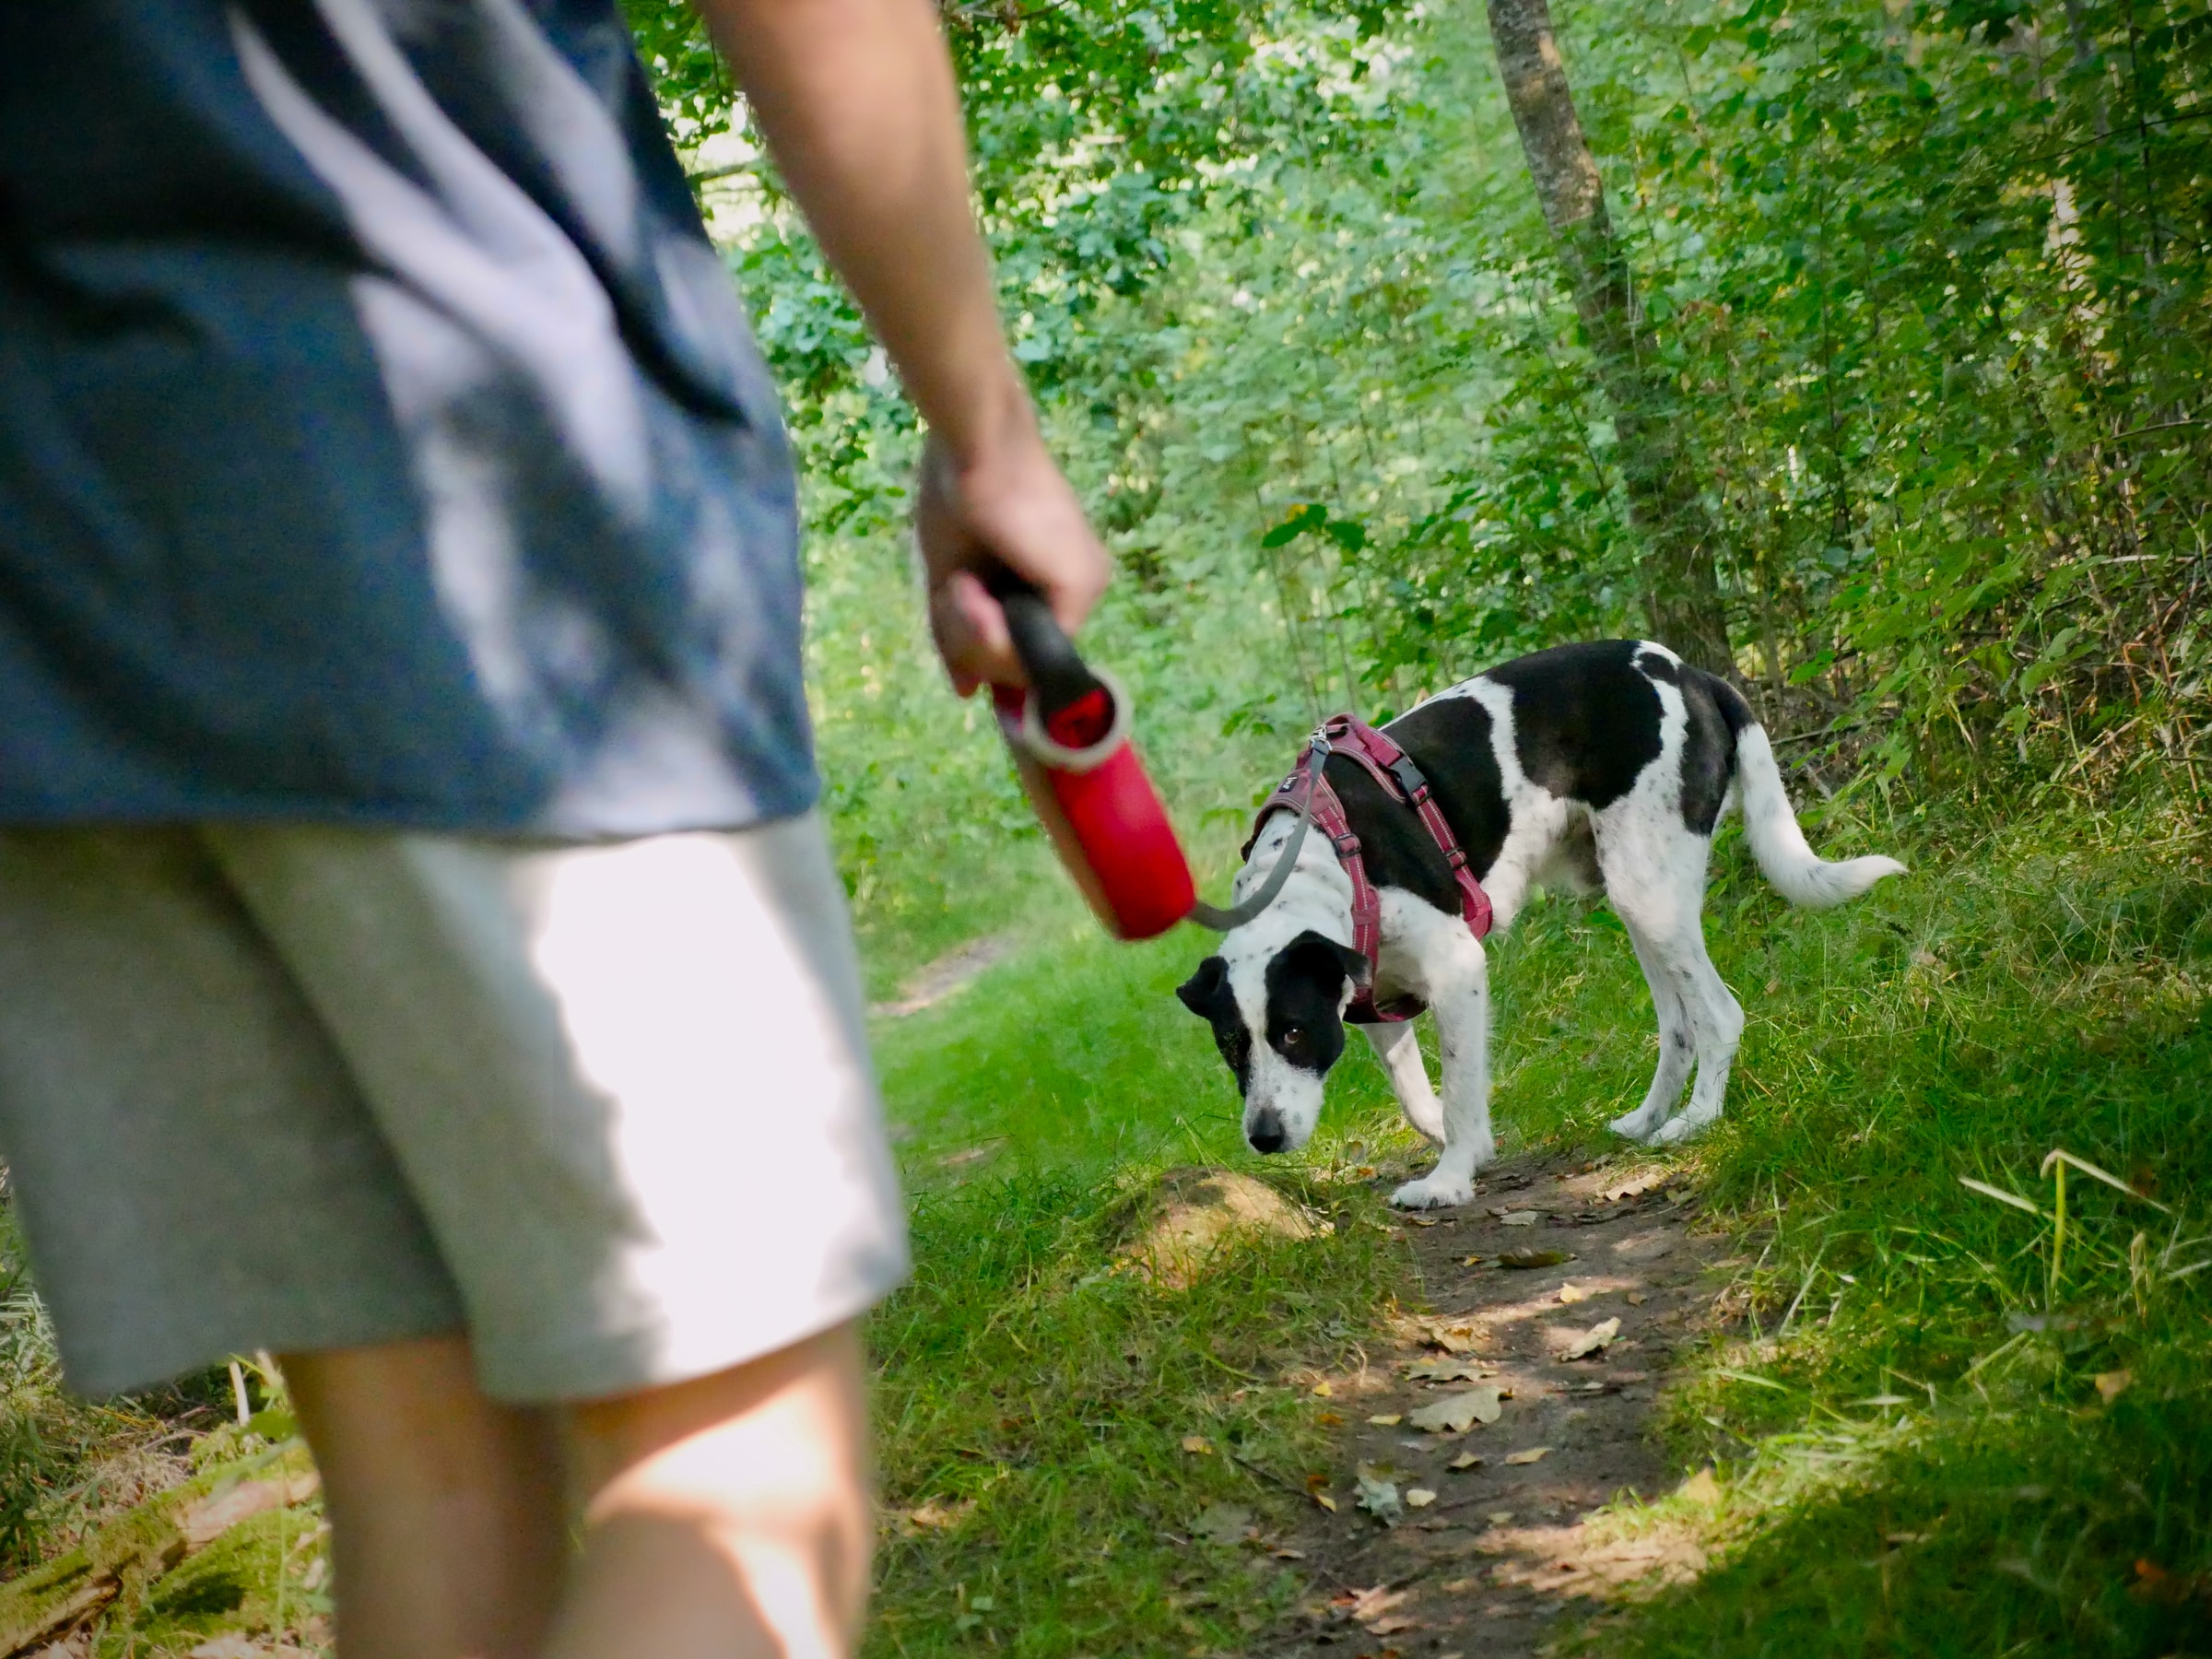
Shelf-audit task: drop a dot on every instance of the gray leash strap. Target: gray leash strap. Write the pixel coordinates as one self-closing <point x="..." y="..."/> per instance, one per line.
<point x="1222" y="921"/>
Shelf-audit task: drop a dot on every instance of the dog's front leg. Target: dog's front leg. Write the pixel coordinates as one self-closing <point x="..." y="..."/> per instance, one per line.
<point x="1458" y="988"/>
<point x="1400" y="1052"/>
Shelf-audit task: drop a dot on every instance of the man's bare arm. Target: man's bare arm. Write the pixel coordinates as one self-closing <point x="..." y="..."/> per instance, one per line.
<point x="857" y="101"/>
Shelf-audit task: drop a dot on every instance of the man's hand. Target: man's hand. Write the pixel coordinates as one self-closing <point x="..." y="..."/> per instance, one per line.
<point x="1012" y="508"/>
<point x="857" y="101"/>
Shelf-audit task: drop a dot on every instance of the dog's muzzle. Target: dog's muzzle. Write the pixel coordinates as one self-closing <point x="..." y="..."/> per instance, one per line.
<point x="1266" y="1133"/>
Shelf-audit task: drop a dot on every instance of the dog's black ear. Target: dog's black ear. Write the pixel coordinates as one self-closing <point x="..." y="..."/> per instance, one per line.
<point x="1206" y="991"/>
<point x="1319" y="949"/>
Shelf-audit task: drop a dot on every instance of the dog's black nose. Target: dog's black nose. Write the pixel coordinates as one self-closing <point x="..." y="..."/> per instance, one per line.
<point x="1266" y="1133"/>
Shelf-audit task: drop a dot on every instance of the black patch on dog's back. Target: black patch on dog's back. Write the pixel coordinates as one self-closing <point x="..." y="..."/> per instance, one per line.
<point x="1717" y="713"/>
<point x="1449" y="739"/>
<point x="1586" y="721"/>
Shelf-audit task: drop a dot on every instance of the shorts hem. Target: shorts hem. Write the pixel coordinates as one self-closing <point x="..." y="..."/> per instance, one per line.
<point x="611" y="1364"/>
<point x="107" y="1379"/>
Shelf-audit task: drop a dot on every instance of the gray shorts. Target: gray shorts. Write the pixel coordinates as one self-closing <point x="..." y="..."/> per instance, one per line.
<point x="608" y="1108"/>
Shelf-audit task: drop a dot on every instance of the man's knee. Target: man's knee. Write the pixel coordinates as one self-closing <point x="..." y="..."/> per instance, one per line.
<point x="751" y="1483"/>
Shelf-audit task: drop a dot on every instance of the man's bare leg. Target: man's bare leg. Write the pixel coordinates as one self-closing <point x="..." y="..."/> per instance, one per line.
<point x="725" y="1517"/>
<point x="446" y="1508"/>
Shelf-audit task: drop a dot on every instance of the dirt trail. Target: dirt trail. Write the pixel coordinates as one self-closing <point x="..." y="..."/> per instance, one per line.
<point x="1486" y="1565"/>
<point x="947" y="976"/>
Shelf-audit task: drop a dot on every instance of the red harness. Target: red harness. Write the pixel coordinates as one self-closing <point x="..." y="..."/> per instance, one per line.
<point x="1402" y="781"/>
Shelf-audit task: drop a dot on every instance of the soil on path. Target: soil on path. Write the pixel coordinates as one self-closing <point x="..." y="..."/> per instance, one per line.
<point x="1506" y="1543"/>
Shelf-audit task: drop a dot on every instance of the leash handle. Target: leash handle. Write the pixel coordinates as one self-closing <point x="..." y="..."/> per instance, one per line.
<point x="1058" y="676"/>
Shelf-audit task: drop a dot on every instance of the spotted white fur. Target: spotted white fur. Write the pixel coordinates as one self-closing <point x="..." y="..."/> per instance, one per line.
<point x="1652" y="866"/>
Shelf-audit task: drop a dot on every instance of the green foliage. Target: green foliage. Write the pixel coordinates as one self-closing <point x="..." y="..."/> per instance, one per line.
<point x="50" y="1443"/>
<point x="1927" y="283"/>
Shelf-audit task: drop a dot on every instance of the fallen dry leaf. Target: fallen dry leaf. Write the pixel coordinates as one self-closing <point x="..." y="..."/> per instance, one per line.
<point x="1469" y="1261"/>
<point x="2112" y="1384"/>
<point x="1329" y="1419"/>
<point x="228" y="1647"/>
<point x="1197" y="1445"/>
<point x="1422" y="1220"/>
<point x="2155" y="1583"/>
<point x="1366" y="1606"/>
<point x="1325" y="1501"/>
<point x="1518" y="1217"/>
<point x="1498" y="1517"/>
<point x="1419" y="1497"/>
<point x="1455" y="1414"/>
<point x="1534" y="1258"/>
<point x="1575" y="1293"/>
<point x="1594" y="1340"/>
<point x="1637" y="1298"/>
<point x="1452" y="1338"/>
<point x="1223" y="1523"/>
<point x="1465" y="1460"/>
<point x="1533" y="1454"/>
<point x="1323" y="1390"/>
<point x="1446" y="1371"/>
<point x="953" y="1160"/>
<point x="1700" y="1488"/>
<point x="934" y="1514"/>
<point x="1380" y="1498"/>
<point x="1386" y="1419"/>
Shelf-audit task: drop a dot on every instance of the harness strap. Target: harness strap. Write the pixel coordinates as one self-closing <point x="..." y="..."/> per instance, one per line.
<point x="1394" y="769"/>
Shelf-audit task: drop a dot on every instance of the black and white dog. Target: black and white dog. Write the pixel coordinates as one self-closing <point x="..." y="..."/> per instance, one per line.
<point x="1586" y="766"/>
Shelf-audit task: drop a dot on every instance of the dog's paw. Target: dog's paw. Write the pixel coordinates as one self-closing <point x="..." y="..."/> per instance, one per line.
<point x="1675" y="1130"/>
<point x="1433" y="1192"/>
<point x="1633" y="1125"/>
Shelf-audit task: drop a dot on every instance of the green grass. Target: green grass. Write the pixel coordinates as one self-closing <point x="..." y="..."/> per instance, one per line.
<point x="1905" y="1469"/>
<point x="1917" y="1467"/>
<point x="1040" y="1393"/>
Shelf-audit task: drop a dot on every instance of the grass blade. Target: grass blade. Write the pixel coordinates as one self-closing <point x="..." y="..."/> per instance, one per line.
<point x="2059" y="1157"/>
<point x="2001" y="1196"/>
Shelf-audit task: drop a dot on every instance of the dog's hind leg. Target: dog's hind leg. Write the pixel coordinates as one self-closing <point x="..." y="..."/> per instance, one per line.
<point x="1677" y="1043"/>
<point x="1654" y="872"/>
<point x="1400" y="1052"/>
<point x="1719" y="1021"/>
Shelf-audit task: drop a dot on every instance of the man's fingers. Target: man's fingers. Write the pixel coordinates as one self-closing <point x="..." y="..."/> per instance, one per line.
<point x="972" y="634"/>
<point x="1016" y="512"/>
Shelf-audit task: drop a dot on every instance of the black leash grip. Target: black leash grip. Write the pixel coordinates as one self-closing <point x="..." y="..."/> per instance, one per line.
<point x="1057" y="675"/>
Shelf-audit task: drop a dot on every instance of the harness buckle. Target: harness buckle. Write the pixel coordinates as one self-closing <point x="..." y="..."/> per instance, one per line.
<point x="1409" y="778"/>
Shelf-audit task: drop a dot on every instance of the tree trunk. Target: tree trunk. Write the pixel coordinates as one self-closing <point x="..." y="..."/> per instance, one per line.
<point x="1681" y="593"/>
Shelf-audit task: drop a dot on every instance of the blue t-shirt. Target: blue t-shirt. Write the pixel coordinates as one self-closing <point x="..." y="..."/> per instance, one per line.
<point x="381" y="439"/>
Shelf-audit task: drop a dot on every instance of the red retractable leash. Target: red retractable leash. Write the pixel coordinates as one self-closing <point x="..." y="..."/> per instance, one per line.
<point x="1069" y="734"/>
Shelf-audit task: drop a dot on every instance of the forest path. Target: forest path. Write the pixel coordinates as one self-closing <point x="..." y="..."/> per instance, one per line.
<point x="946" y="976"/>
<point x="1505" y="1546"/>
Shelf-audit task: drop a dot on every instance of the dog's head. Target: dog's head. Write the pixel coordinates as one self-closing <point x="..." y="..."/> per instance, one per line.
<point x="1278" y="1014"/>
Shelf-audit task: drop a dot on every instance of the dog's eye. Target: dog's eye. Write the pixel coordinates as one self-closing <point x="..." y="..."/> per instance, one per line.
<point x="1294" y="1036"/>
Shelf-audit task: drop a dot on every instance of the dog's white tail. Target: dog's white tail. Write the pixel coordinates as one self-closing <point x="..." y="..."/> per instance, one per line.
<point x="1801" y="875"/>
